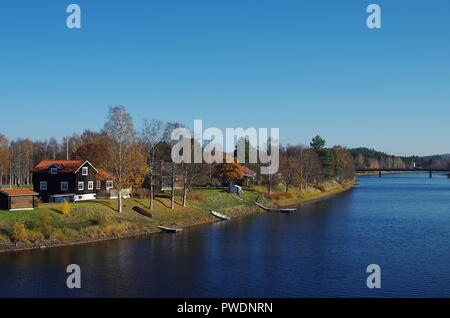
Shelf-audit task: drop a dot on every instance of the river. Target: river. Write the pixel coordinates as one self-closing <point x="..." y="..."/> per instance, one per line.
<point x="400" y="222"/>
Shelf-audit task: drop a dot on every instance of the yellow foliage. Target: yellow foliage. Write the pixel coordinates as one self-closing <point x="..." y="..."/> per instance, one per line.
<point x="65" y="209"/>
<point x="19" y="232"/>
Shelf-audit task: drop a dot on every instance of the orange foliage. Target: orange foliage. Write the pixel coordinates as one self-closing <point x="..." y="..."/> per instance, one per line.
<point x="230" y="171"/>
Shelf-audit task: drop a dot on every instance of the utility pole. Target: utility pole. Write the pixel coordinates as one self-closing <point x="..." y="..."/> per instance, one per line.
<point x="10" y="175"/>
<point x="67" y="148"/>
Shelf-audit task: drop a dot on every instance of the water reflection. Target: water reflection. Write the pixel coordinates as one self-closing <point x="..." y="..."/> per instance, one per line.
<point x="401" y="222"/>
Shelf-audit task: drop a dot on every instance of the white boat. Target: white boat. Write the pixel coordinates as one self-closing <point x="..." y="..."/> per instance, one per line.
<point x="220" y="215"/>
<point x="169" y="230"/>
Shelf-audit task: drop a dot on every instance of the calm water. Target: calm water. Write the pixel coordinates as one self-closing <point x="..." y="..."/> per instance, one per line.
<point x="401" y="222"/>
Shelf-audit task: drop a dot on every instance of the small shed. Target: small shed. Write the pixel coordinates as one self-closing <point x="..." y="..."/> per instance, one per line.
<point x="236" y="189"/>
<point x="17" y="199"/>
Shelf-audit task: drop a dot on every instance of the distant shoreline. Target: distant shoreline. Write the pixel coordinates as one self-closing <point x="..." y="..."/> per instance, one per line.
<point x="369" y="173"/>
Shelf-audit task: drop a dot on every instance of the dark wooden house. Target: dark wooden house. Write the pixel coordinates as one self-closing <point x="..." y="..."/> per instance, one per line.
<point x="17" y="199"/>
<point x="68" y="180"/>
<point x="105" y="186"/>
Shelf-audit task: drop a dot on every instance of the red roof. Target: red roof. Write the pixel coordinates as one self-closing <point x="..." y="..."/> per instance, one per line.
<point x="65" y="165"/>
<point x="248" y="170"/>
<point x="103" y="175"/>
<point x="18" y="192"/>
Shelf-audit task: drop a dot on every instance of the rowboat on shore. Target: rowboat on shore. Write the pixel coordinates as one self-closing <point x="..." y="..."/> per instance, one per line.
<point x="169" y="230"/>
<point x="220" y="216"/>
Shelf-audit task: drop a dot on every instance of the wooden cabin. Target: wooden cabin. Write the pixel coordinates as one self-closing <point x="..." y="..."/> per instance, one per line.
<point x="17" y="199"/>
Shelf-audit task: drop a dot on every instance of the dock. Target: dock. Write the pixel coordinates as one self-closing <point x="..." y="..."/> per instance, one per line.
<point x="280" y="210"/>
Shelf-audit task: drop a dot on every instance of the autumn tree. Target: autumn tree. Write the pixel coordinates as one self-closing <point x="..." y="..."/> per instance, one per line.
<point x="120" y="129"/>
<point x="138" y="169"/>
<point x="95" y="152"/>
<point x="228" y="172"/>
<point x="344" y="166"/>
<point x="290" y="166"/>
<point x="310" y="167"/>
<point x="5" y="158"/>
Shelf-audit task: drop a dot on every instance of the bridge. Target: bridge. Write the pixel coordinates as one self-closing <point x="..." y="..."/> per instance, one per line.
<point x="380" y="170"/>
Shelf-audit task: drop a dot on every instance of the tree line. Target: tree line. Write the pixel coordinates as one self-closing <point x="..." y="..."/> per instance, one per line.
<point x="140" y="157"/>
<point x="371" y="159"/>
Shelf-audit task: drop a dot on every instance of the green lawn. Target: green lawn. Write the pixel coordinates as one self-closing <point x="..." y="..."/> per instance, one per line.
<point x="99" y="218"/>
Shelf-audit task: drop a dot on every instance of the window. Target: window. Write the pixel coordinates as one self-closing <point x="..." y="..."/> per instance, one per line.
<point x="64" y="185"/>
<point x="99" y="185"/>
<point x="91" y="185"/>
<point x="43" y="185"/>
<point x="85" y="171"/>
<point x="53" y="170"/>
<point x="109" y="185"/>
<point x="80" y="186"/>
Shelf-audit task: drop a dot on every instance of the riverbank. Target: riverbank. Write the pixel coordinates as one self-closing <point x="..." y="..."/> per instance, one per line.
<point x="96" y="221"/>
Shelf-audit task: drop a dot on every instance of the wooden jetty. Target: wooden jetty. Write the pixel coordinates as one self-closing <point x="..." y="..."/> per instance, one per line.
<point x="280" y="210"/>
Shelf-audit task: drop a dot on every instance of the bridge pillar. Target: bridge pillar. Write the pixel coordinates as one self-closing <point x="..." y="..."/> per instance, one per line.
<point x="379" y="174"/>
<point x="431" y="174"/>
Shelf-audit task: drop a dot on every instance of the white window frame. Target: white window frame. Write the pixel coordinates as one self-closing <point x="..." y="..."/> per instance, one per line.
<point x="53" y="170"/>
<point x="81" y="183"/>
<point x="109" y="185"/>
<point x="85" y="171"/>
<point x="90" y="185"/>
<point x="99" y="184"/>
<point x="66" y="183"/>
<point x="43" y="186"/>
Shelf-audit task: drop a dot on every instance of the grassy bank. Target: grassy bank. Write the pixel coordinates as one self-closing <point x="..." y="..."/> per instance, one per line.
<point x="90" y="221"/>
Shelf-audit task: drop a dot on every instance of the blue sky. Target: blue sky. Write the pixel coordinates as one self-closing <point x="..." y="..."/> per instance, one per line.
<point x="307" y="67"/>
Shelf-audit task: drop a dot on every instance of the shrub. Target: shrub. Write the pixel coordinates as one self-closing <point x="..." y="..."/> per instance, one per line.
<point x="65" y="208"/>
<point x="4" y="239"/>
<point x="44" y="224"/>
<point x="19" y="232"/>
<point x="34" y="236"/>
<point x="37" y="202"/>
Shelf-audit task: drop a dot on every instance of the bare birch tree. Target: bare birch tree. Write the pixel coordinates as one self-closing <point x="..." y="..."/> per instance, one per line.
<point x="119" y="127"/>
<point x="152" y="134"/>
